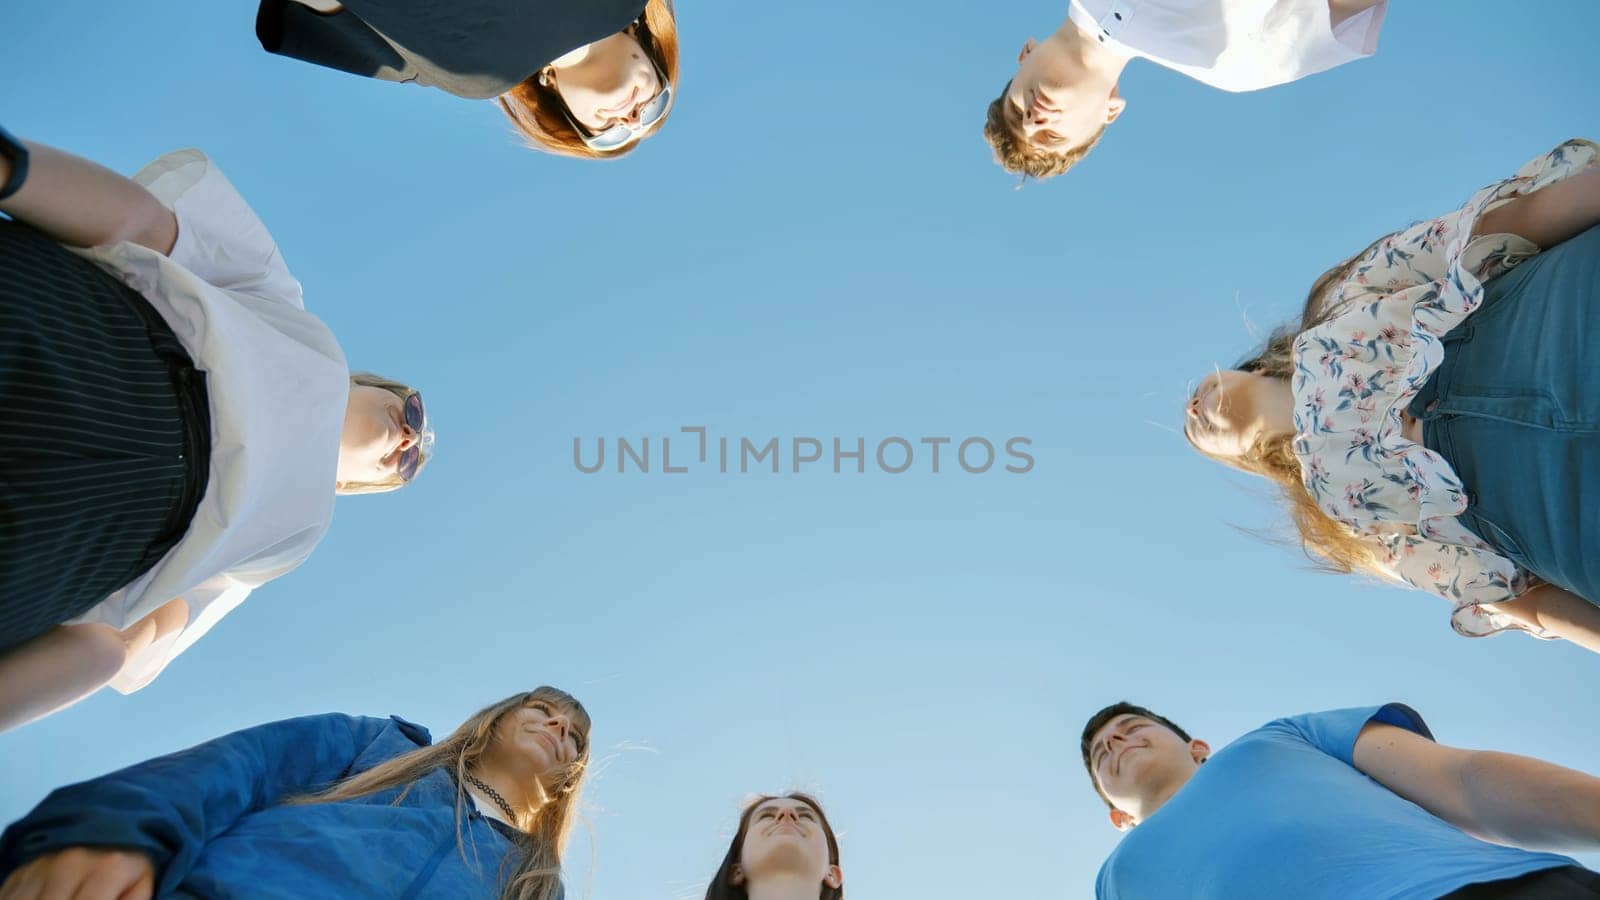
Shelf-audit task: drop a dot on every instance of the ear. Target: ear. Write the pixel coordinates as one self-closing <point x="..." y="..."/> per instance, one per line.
<point x="736" y="876"/>
<point x="1121" y="820"/>
<point x="1027" y="47"/>
<point x="834" y="878"/>
<point x="1114" y="107"/>
<point x="1199" y="751"/>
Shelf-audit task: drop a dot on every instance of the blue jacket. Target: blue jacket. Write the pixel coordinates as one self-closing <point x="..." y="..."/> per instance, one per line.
<point x="213" y="821"/>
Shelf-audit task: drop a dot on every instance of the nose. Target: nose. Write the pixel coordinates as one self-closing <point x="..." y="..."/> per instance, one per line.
<point x="561" y="722"/>
<point x="1193" y="409"/>
<point x="408" y="437"/>
<point x="790" y="814"/>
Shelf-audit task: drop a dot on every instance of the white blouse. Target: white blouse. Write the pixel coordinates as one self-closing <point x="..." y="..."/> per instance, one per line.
<point x="1235" y="45"/>
<point x="1356" y="373"/>
<point x="278" y="386"/>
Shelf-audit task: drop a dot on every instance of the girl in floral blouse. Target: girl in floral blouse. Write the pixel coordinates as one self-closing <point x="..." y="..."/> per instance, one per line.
<point x="1435" y="419"/>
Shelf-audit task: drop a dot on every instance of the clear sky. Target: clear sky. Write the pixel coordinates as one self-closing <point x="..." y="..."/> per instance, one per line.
<point x="818" y="246"/>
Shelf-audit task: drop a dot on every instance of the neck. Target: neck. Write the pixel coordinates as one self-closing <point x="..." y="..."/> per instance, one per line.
<point x="1277" y="408"/>
<point x="1095" y="61"/>
<point x="510" y="787"/>
<point x="785" y="887"/>
<point x="1159" y="793"/>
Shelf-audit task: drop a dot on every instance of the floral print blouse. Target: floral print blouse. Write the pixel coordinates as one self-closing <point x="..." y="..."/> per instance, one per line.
<point x="1355" y="374"/>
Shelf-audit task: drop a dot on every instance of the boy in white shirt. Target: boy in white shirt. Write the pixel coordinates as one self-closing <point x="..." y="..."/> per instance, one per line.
<point x="1064" y="94"/>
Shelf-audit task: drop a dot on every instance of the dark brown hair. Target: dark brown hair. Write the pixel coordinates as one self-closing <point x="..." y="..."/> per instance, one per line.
<point x="722" y="886"/>
<point x="1017" y="156"/>
<point x="1099" y="721"/>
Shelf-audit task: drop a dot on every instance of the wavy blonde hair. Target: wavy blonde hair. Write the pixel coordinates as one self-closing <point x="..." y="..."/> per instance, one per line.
<point x="536" y="872"/>
<point x="537" y="112"/>
<point x="1322" y="537"/>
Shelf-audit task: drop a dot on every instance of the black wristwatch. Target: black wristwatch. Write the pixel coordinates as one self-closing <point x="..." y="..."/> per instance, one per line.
<point x="17" y="155"/>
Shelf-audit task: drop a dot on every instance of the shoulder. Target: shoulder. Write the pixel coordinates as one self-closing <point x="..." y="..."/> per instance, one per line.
<point x="220" y="238"/>
<point x="1335" y="731"/>
<point x="413" y="732"/>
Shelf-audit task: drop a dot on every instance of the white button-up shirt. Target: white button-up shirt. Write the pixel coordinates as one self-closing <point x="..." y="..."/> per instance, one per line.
<point x="277" y="384"/>
<point x="1235" y="45"/>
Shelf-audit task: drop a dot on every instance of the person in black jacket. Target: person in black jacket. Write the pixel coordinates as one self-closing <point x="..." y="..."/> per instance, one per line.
<point x="583" y="78"/>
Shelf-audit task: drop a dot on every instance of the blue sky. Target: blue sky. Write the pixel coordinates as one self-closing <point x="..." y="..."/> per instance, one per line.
<point x="818" y="245"/>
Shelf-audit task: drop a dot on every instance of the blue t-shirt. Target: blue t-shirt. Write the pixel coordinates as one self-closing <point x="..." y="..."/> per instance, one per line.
<point x="1283" y="812"/>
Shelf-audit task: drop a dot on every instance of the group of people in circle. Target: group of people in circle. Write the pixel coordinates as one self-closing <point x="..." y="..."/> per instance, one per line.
<point x="1430" y="419"/>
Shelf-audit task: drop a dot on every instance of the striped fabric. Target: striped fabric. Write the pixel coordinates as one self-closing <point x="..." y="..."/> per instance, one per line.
<point x="99" y="472"/>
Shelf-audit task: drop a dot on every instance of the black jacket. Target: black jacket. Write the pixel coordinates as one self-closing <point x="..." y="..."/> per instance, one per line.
<point x="471" y="48"/>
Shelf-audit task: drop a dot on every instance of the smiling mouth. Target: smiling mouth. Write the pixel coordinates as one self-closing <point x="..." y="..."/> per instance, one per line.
<point x="550" y="742"/>
<point x="1204" y="402"/>
<point x="1116" y="760"/>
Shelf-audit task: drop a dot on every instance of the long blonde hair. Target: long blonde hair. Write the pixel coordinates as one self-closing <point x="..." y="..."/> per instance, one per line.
<point x="1272" y="457"/>
<point x="536" y="873"/>
<point x="536" y="110"/>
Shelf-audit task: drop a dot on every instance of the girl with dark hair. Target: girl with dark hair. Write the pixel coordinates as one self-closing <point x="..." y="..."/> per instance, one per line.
<point x="329" y="806"/>
<point x="1435" y="417"/>
<point x="584" y="78"/>
<point x="784" y="850"/>
<point x="177" y="424"/>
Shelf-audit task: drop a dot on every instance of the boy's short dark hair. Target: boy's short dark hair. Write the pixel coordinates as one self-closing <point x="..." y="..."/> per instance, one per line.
<point x="1099" y="720"/>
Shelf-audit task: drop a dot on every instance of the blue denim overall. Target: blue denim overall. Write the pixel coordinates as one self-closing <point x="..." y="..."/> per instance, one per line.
<point x="1515" y="409"/>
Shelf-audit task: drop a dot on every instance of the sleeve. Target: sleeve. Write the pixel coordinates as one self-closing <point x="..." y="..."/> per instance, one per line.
<point x="1435" y="270"/>
<point x="220" y="239"/>
<point x="1469" y="578"/>
<point x="1334" y="732"/>
<point x="209" y="602"/>
<point x="1359" y="33"/>
<point x="170" y="807"/>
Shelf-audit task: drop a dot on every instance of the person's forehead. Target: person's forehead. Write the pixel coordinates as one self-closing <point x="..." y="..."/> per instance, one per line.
<point x="1118" y="721"/>
<point x="561" y="705"/>
<point x="782" y="803"/>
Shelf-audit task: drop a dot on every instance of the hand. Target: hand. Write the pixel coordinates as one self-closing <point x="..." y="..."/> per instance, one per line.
<point x="83" y="873"/>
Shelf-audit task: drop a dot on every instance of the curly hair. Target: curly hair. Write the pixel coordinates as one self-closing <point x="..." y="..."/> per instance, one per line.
<point x="1017" y="156"/>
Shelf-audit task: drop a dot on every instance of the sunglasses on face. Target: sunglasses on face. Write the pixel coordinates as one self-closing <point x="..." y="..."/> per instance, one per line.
<point x="416" y="420"/>
<point x="622" y="133"/>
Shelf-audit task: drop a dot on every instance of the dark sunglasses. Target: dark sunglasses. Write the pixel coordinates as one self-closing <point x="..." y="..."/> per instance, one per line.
<point x="416" y="420"/>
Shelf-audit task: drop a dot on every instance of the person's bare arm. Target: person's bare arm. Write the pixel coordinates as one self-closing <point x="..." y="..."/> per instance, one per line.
<point x="1559" y="612"/>
<point x="1551" y="214"/>
<point x="55" y="670"/>
<point x="1513" y="800"/>
<point x="69" y="662"/>
<point x="83" y="204"/>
